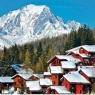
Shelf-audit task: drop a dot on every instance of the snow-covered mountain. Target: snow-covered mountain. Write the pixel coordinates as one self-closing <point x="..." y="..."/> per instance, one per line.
<point x="31" y="23"/>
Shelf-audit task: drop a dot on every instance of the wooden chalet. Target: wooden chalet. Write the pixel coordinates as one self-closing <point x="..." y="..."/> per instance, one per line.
<point x="76" y="83"/>
<point x="56" y="60"/>
<point x="57" y="90"/>
<point x="56" y="74"/>
<point x="20" y="79"/>
<point x="86" y="53"/>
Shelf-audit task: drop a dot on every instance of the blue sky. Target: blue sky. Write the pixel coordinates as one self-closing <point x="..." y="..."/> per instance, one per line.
<point x="82" y="11"/>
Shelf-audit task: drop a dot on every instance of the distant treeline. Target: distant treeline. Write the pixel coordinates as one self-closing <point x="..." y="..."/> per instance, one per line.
<point x="36" y="54"/>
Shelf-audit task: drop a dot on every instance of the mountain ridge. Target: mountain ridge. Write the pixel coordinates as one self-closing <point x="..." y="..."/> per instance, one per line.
<point x="32" y="23"/>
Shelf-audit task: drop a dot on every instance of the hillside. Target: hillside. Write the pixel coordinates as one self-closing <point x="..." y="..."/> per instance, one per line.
<point x="36" y="54"/>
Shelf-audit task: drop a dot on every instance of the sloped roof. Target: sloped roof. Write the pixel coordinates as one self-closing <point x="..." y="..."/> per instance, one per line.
<point x="18" y="68"/>
<point x="47" y="73"/>
<point x="88" y="70"/>
<point x="6" y="80"/>
<point x="45" y="82"/>
<point x="33" y="85"/>
<point x="24" y="76"/>
<point x="66" y="57"/>
<point x="56" y="69"/>
<point x="76" y="77"/>
<point x="90" y="48"/>
<point x="39" y="75"/>
<point x="60" y="89"/>
<point x="68" y="64"/>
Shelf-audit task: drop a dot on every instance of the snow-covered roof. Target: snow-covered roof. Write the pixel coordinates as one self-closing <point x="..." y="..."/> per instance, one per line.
<point x="68" y="58"/>
<point x="76" y="51"/>
<point x="56" y="69"/>
<point x="90" y="48"/>
<point x="6" y="80"/>
<point x="83" y="55"/>
<point x="33" y="85"/>
<point x="60" y="89"/>
<point x="45" y="82"/>
<point x="47" y="73"/>
<point x="88" y="70"/>
<point x="19" y="69"/>
<point x="24" y="76"/>
<point x="39" y="75"/>
<point x="68" y="64"/>
<point x="5" y="91"/>
<point x="76" y="77"/>
<point x="65" y="57"/>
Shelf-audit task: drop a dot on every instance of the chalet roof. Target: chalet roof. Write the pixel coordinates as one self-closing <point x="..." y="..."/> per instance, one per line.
<point x="45" y="82"/>
<point x="24" y="76"/>
<point x="47" y="73"/>
<point x="76" y="49"/>
<point x="18" y="68"/>
<point x="6" y="80"/>
<point x="77" y="52"/>
<point x="56" y="69"/>
<point x="33" y="85"/>
<point x="90" y="48"/>
<point x="76" y="77"/>
<point x="60" y="89"/>
<point x="39" y="75"/>
<point x="68" y="64"/>
<point x="88" y="70"/>
<point x="66" y="57"/>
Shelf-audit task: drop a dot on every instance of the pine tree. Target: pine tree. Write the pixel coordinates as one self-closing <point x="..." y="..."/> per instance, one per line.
<point x="32" y="54"/>
<point x="27" y="61"/>
<point x="6" y="55"/>
<point x="50" y="52"/>
<point x="22" y="53"/>
<point x="71" y="41"/>
<point x="39" y="49"/>
<point x="1" y="55"/>
<point x="86" y="35"/>
<point x="39" y="66"/>
<point x="15" y="54"/>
